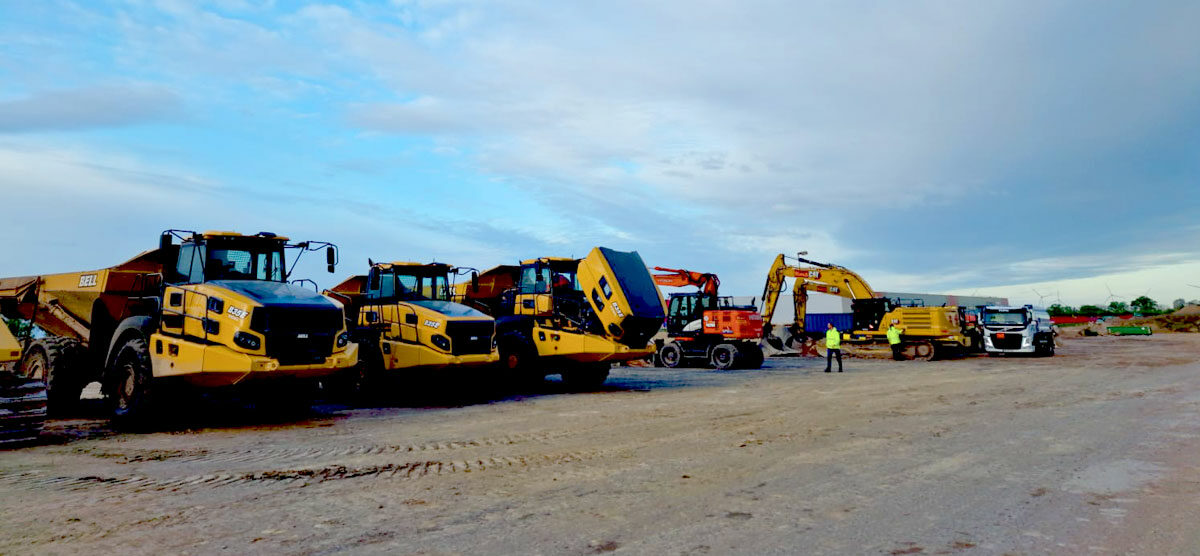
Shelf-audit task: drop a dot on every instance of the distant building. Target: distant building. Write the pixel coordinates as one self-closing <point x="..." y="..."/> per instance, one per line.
<point x="822" y="304"/>
<point x="938" y="300"/>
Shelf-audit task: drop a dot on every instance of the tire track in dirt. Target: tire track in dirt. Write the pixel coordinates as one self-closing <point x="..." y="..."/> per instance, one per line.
<point x="283" y="476"/>
<point x="256" y="455"/>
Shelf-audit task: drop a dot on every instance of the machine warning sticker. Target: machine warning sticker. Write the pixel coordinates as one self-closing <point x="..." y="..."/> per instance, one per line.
<point x="239" y="313"/>
<point x="617" y="310"/>
<point x="432" y="323"/>
<point x="87" y="280"/>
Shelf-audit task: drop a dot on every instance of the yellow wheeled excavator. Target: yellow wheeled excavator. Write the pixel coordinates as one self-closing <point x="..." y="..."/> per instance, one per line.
<point x="403" y="317"/>
<point x="22" y="400"/>
<point x="573" y="317"/>
<point x="929" y="332"/>
<point x="215" y="310"/>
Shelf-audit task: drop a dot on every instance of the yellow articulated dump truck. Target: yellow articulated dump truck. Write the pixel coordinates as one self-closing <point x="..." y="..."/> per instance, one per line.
<point x="214" y="310"/>
<point x="404" y="320"/>
<point x="22" y="401"/>
<point x="573" y="317"/>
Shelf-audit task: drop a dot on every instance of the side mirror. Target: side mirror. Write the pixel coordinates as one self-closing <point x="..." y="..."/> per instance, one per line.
<point x="164" y="241"/>
<point x="474" y="281"/>
<point x="330" y="258"/>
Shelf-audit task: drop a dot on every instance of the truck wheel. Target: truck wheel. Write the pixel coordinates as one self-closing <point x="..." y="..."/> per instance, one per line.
<point x="671" y="355"/>
<point x="56" y="362"/>
<point x="724" y="356"/>
<point x="518" y="360"/>
<point x="752" y="356"/>
<point x="586" y="377"/>
<point x="130" y="387"/>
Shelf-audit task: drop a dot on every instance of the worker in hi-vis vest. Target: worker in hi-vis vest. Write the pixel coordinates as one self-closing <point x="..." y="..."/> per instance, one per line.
<point x="893" y="334"/>
<point x="833" y="348"/>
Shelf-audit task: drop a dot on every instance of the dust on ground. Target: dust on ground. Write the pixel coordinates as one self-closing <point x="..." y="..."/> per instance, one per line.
<point x="1093" y="450"/>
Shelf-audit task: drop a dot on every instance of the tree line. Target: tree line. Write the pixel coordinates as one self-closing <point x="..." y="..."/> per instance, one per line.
<point x="1141" y="306"/>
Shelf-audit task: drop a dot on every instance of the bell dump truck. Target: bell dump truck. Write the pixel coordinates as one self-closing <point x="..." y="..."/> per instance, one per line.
<point x="404" y="320"/>
<point x="573" y="317"/>
<point x="1016" y="330"/>
<point x="928" y="332"/>
<point x="704" y="328"/>
<point x="214" y="310"/>
<point x="22" y="400"/>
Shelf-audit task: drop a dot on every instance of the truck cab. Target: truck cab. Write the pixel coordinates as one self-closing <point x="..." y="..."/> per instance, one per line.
<point x="1010" y="329"/>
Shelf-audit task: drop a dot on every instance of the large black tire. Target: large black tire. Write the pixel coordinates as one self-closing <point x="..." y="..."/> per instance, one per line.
<point x="671" y="355"/>
<point x="362" y="382"/>
<point x="752" y="356"/>
<point x="130" y="388"/>
<point x="22" y="408"/>
<point x="57" y="362"/>
<point x="519" y="361"/>
<point x="586" y="377"/>
<point x="725" y="356"/>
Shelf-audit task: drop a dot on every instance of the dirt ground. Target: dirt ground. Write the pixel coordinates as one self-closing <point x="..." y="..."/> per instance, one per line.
<point x="1096" y="450"/>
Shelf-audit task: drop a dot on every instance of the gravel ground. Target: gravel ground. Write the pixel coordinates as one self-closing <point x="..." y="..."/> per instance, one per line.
<point x="1092" y="451"/>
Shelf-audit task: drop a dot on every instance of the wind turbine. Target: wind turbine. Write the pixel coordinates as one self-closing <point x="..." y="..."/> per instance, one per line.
<point x="1111" y="295"/>
<point x="1041" y="297"/>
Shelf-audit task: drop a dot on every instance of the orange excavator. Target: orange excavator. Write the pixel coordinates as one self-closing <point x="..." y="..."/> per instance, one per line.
<point x="704" y="328"/>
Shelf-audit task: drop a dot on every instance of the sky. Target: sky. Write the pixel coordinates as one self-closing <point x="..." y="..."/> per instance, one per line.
<point x="1001" y="148"/>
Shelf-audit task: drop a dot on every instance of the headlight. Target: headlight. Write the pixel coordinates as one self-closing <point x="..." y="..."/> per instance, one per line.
<point x="216" y="305"/>
<point x="247" y="340"/>
<point x="441" y="342"/>
<point x="343" y="339"/>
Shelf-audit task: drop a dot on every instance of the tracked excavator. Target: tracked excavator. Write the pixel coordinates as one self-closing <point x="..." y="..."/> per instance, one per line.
<point x="574" y="317"/>
<point x="22" y="400"/>
<point x="214" y="310"/>
<point x="706" y="329"/>
<point x="929" y="332"/>
<point x="404" y="319"/>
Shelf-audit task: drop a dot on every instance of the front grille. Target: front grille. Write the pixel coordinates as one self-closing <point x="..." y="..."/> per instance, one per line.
<point x="468" y="338"/>
<point x="297" y="335"/>
<point x="1009" y="341"/>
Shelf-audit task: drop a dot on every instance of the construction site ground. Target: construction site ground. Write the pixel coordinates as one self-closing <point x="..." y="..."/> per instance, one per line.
<point x="1096" y="450"/>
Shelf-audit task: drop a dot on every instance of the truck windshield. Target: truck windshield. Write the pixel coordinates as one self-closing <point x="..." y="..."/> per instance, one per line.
<point x="543" y="279"/>
<point x="244" y="263"/>
<point x="416" y="287"/>
<point x="1005" y="317"/>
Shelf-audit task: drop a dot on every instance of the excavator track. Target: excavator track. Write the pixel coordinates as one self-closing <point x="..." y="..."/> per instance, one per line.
<point x="913" y="351"/>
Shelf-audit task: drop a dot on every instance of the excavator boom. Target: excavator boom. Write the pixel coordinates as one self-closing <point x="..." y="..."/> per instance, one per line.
<point x="707" y="282"/>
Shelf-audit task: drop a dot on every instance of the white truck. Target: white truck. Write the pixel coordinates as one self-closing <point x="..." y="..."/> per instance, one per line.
<point x="1025" y="329"/>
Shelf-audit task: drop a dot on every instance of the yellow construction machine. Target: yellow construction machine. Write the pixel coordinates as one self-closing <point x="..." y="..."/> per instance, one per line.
<point x="403" y="318"/>
<point x="215" y="310"/>
<point x="929" y="332"/>
<point x="22" y="401"/>
<point x="573" y="317"/>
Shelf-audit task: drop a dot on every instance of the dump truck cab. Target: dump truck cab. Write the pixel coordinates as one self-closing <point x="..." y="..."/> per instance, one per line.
<point x="404" y="317"/>
<point x="214" y="310"/>
<point x="230" y="314"/>
<point x="573" y="317"/>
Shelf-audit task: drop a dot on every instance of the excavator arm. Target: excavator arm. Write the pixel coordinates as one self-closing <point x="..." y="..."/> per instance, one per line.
<point x="707" y="283"/>
<point x="817" y="277"/>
